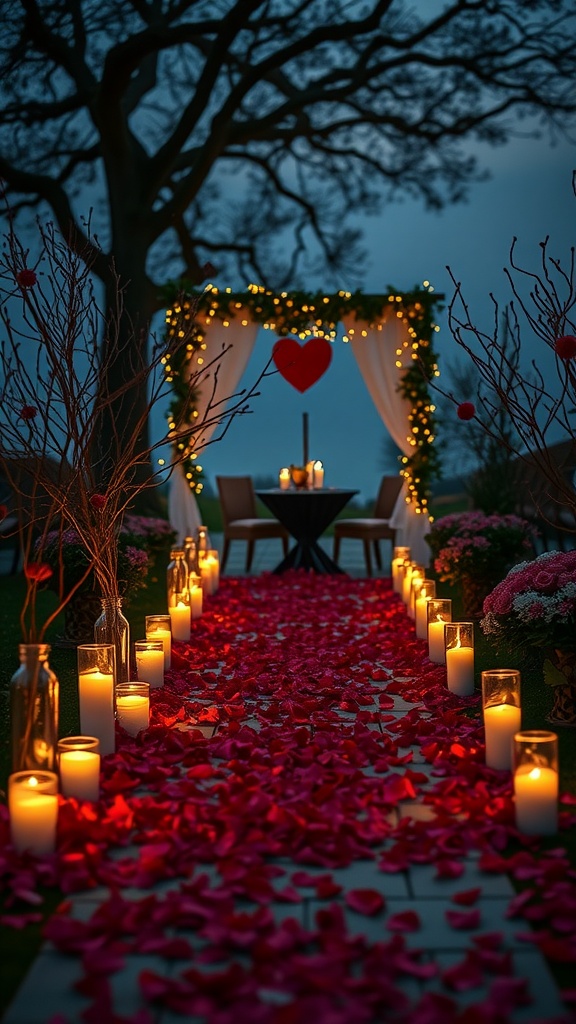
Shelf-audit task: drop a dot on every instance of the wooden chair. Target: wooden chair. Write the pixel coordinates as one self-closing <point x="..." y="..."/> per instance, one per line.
<point x="372" y="531"/>
<point x="240" y="517"/>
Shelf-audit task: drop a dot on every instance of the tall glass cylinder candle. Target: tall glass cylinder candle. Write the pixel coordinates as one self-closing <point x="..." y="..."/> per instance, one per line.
<point x="284" y="479"/>
<point x="418" y="575"/>
<point x="439" y="613"/>
<point x="96" y="672"/>
<point x="535" y="765"/>
<point x="180" y="616"/>
<point x="459" y="644"/>
<point x="79" y="767"/>
<point x="149" y="656"/>
<point x="400" y="556"/>
<point x="214" y="562"/>
<point x="33" y="810"/>
<point x="206" y="577"/>
<point x="158" y="627"/>
<point x="502" y="714"/>
<point x="426" y="590"/>
<point x="176" y="577"/>
<point x="133" y="706"/>
<point x="196" y="594"/>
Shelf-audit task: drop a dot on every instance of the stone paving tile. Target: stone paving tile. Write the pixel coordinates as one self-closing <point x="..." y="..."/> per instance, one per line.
<point x="545" y="1001"/>
<point x="48" y="989"/>
<point x="435" y="933"/>
<point x="425" y="885"/>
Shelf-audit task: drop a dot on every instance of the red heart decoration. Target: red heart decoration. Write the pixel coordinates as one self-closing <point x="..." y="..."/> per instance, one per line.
<point x="302" y="365"/>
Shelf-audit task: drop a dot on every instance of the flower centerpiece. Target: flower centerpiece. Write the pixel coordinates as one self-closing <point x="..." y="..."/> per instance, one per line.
<point x="476" y="550"/>
<point x="535" y="606"/>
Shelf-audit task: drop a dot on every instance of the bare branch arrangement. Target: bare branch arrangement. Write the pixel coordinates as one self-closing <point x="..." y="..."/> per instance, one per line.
<point x="54" y="361"/>
<point x="527" y="408"/>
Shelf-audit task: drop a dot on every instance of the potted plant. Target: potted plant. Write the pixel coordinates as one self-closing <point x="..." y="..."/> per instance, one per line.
<point x="474" y="551"/>
<point x="535" y="606"/>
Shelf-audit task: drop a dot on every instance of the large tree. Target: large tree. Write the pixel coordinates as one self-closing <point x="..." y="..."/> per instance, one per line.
<point x="247" y="132"/>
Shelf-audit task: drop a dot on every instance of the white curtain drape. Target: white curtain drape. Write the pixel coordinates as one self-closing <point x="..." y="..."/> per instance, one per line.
<point x="376" y="352"/>
<point x="235" y="344"/>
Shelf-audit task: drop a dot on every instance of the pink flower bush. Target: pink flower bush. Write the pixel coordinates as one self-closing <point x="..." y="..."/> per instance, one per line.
<point x="474" y="544"/>
<point x="535" y="604"/>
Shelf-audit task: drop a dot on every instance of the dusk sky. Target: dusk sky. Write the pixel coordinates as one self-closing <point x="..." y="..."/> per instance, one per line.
<point x="529" y="195"/>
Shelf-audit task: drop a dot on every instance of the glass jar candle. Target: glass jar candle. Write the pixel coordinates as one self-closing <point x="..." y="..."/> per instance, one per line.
<point x="459" y="644"/>
<point x="502" y="714"/>
<point x="79" y="767"/>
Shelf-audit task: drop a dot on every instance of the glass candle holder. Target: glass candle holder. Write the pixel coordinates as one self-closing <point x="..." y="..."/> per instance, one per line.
<point x="413" y="568"/>
<point x="33" y="809"/>
<point x="206" y="575"/>
<point x="399" y="557"/>
<point x="79" y="766"/>
<point x="502" y="714"/>
<point x="439" y="612"/>
<point x="284" y="479"/>
<point x="535" y="765"/>
<point x="158" y="627"/>
<point x="149" y="656"/>
<point x="459" y="646"/>
<point x="214" y="562"/>
<point x="96" y="675"/>
<point x="176" y="576"/>
<point x="196" y="593"/>
<point x="179" y="612"/>
<point x="133" y="706"/>
<point x="416" y="580"/>
<point x="426" y="590"/>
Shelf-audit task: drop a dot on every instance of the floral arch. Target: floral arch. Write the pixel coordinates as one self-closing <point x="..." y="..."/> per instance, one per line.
<point x="391" y="337"/>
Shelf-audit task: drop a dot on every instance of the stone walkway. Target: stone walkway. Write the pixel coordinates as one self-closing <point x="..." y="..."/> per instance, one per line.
<point x="48" y="990"/>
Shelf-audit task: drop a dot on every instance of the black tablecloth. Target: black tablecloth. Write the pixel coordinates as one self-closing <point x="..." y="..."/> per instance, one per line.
<point x="306" y="514"/>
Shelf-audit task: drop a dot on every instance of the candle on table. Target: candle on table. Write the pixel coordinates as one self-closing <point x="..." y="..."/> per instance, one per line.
<point x="439" y="611"/>
<point x="502" y="714"/>
<point x="536" y="781"/>
<point x="158" y="627"/>
<point x="133" y="706"/>
<point x="427" y="590"/>
<point x="310" y="473"/>
<point x="180" y="621"/>
<point x="150" y="662"/>
<point x="284" y="479"/>
<point x="304" y="438"/>
<point x="459" y="642"/>
<point x="318" y="475"/>
<point x="96" y="673"/>
<point x="33" y="809"/>
<point x="79" y="767"/>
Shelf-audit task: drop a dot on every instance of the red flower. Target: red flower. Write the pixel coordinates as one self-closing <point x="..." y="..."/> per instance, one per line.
<point x="3" y="512"/>
<point x="26" y="278"/>
<point x="28" y="412"/>
<point x="466" y="411"/>
<point x="98" y="501"/>
<point x="565" y="347"/>
<point x="37" y="572"/>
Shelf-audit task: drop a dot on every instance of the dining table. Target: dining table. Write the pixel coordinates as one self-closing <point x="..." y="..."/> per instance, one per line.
<point x="306" y="513"/>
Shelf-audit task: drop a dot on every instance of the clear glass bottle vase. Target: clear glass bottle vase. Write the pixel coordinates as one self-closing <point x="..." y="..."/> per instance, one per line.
<point x="113" y="628"/>
<point x="176" y="577"/>
<point x="34" y="706"/>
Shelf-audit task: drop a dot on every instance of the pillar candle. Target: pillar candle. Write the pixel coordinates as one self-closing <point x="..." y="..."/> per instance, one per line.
<point x="96" y="694"/>
<point x="162" y="632"/>
<point x="284" y="479"/>
<point x="196" y="602"/>
<point x="421" y="613"/>
<point x="536" y="800"/>
<point x="80" y="774"/>
<point x="318" y="475"/>
<point x="501" y="721"/>
<point x="460" y="670"/>
<point x="33" y="809"/>
<point x="436" y="649"/>
<point x="150" y="663"/>
<point x="180" y="619"/>
<point x="133" y="706"/>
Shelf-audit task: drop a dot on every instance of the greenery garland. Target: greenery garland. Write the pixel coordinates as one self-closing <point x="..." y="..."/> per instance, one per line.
<point x="303" y="314"/>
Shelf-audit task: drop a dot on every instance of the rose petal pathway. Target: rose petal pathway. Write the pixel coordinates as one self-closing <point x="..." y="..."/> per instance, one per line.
<point x="307" y="831"/>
